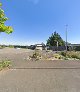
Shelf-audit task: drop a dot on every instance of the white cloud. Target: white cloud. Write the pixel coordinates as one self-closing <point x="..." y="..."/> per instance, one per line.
<point x="34" y="1"/>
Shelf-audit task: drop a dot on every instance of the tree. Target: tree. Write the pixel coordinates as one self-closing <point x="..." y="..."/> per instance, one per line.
<point x="52" y="41"/>
<point x="3" y="19"/>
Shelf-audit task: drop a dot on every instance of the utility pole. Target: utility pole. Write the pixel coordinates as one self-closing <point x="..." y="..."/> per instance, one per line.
<point x="57" y="46"/>
<point x="66" y="37"/>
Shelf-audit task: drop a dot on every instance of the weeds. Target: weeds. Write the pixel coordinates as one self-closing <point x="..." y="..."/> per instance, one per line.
<point x="36" y="55"/>
<point x="4" y="64"/>
<point x="71" y="54"/>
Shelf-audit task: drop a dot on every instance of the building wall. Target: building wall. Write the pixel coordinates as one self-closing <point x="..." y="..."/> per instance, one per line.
<point x="39" y="48"/>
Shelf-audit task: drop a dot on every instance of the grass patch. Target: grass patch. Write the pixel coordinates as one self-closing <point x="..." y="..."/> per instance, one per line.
<point x="5" y="64"/>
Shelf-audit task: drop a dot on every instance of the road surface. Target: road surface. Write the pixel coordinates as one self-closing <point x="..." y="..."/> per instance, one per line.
<point x="40" y="76"/>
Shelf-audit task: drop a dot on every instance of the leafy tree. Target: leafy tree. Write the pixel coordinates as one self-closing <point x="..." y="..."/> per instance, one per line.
<point x="52" y="41"/>
<point x="3" y="19"/>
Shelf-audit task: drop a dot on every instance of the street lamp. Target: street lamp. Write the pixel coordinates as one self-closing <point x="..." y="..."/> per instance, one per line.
<point x="66" y="38"/>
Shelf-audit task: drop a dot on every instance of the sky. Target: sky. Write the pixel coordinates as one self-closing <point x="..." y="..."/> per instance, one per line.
<point x="34" y="21"/>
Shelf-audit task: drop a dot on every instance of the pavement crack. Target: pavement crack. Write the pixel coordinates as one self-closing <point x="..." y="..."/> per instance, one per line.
<point x="44" y="68"/>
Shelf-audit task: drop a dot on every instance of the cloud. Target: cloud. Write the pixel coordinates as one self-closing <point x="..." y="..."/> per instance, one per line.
<point x="34" y="1"/>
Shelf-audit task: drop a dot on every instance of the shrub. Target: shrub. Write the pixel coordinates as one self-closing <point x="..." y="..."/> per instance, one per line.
<point x="63" y="54"/>
<point x="57" y="56"/>
<point x="71" y="54"/>
<point x="36" y="55"/>
<point x="76" y="48"/>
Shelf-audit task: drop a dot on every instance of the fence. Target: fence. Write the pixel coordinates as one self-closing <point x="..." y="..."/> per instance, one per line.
<point x="55" y="48"/>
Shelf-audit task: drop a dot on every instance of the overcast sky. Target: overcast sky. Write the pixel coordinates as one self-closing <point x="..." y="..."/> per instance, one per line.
<point x="35" y="20"/>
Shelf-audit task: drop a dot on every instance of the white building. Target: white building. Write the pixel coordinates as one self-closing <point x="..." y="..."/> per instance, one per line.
<point x="40" y="46"/>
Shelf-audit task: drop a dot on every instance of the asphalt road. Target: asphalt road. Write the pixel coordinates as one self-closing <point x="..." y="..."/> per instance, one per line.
<point x="40" y="80"/>
<point x="40" y="76"/>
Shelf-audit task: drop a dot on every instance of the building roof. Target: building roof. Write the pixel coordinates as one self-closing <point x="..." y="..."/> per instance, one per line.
<point x="40" y="45"/>
<point x="74" y="45"/>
